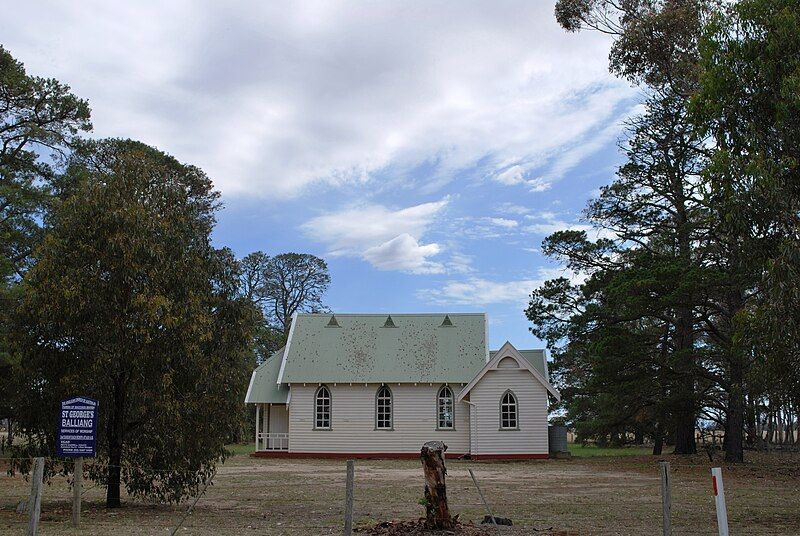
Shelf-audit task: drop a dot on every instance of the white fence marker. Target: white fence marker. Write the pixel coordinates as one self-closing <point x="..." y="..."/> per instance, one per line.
<point x="719" y="498"/>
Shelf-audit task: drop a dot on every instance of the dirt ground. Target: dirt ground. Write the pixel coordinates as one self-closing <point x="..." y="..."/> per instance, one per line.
<point x="603" y="495"/>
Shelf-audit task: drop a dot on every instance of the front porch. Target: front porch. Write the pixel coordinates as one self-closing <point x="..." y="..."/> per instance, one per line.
<point x="272" y="428"/>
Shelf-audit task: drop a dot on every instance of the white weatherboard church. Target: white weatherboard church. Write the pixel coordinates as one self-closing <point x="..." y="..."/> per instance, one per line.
<point x="378" y="385"/>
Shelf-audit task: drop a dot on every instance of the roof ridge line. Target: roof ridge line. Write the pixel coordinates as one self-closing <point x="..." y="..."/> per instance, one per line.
<point x="389" y="314"/>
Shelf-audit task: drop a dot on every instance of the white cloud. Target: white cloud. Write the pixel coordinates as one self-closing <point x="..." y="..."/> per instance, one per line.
<point x="274" y="100"/>
<point x="503" y="222"/>
<point x="511" y="208"/>
<point x="566" y="157"/>
<point x="388" y="239"/>
<point x="547" y="223"/>
<point x="539" y="184"/>
<point x="511" y="176"/>
<point x="477" y="291"/>
<point x="403" y="252"/>
<point x="548" y="227"/>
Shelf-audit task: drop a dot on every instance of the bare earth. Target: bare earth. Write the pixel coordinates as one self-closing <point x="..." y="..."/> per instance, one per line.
<point x="619" y="495"/>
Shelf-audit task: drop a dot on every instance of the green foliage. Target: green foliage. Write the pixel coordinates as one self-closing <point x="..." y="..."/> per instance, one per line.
<point x="281" y="286"/>
<point x="37" y="116"/>
<point x="750" y="103"/>
<point x="129" y="303"/>
<point x="39" y="122"/>
<point x="656" y="41"/>
<point x="701" y="281"/>
<point x="624" y="340"/>
<point x="593" y="451"/>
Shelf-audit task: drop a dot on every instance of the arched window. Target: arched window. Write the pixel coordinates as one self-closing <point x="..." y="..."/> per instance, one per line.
<point x="322" y="408"/>
<point x="444" y="408"/>
<point x="383" y="408"/>
<point x="509" y="418"/>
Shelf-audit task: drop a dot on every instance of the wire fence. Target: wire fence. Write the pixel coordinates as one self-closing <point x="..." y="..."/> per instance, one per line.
<point x="307" y="497"/>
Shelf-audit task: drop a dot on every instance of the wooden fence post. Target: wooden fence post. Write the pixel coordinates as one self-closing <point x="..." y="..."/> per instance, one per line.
<point x="35" y="502"/>
<point x="719" y="499"/>
<point x="666" y="497"/>
<point x="77" y="485"/>
<point x="348" y="499"/>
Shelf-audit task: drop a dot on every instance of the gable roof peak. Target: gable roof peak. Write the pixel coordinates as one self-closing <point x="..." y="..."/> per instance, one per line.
<point x="523" y="362"/>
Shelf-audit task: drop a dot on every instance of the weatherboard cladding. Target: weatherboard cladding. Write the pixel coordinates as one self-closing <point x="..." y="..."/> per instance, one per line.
<point x="363" y="350"/>
<point x="264" y="388"/>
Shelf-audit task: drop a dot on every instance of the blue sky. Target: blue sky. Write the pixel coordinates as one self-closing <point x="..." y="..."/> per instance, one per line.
<point x="423" y="149"/>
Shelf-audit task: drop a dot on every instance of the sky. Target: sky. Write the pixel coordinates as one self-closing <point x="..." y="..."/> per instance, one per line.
<point x="423" y="149"/>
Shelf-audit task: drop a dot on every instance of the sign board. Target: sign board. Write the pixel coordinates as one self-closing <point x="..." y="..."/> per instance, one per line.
<point x="77" y="427"/>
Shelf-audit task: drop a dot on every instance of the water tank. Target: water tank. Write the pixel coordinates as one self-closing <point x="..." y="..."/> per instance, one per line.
<point x="557" y="439"/>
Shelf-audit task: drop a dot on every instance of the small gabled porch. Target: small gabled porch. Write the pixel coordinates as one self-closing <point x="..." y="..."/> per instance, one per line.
<point x="271" y="400"/>
<point x="272" y="428"/>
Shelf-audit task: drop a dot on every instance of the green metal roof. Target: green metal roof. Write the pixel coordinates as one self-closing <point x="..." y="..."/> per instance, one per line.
<point x="264" y="388"/>
<point x="535" y="358"/>
<point x="373" y="348"/>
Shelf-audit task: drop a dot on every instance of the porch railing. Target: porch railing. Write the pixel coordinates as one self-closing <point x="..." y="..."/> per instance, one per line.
<point x="272" y="441"/>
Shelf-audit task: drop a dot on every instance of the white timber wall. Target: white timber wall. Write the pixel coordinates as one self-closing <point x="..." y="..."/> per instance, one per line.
<point x="353" y="420"/>
<point x="531" y="438"/>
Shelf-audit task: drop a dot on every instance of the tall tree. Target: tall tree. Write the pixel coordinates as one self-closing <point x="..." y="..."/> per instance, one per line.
<point x="647" y="278"/>
<point x="749" y="102"/>
<point x="655" y="41"/>
<point x="39" y="122"/>
<point x="293" y="282"/>
<point x="129" y="303"/>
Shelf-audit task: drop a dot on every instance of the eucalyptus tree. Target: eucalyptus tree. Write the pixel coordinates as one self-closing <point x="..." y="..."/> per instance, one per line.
<point x="129" y="303"/>
<point x="655" y="41"/>
<point x="749" y="102"/>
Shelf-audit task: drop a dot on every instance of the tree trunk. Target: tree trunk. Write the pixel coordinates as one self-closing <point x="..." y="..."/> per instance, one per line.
<point x="685" y="410"/>
<point x="658" y="441"/>
<point x="10" y="432"/>
<point x="734" y="451"/>
<point x="437" y="513"/>
<point x="751" y="422"/>
<point x="684" y="434"/>
<point x="115" y="430"/>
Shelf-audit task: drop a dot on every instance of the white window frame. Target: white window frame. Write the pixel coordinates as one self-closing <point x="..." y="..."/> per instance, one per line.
<point x="510" y="409"/>
<point x="382" y="422"/>
<point x="321" y="413"/>
<point x="441" y="399"/>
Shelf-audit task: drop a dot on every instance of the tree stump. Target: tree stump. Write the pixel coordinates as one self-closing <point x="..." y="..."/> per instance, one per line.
<point x="437" y="513"/>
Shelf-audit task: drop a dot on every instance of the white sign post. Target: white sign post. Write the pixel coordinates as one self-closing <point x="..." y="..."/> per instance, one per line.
<point x="719" y="498"/>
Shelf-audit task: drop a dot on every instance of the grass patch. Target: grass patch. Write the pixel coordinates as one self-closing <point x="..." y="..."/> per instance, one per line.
<point x="609" y="494"/>
<point x="593" y="450"/>
<point x="240" y="449"/>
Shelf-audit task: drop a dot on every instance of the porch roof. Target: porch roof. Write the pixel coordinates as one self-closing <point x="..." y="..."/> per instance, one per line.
<point x="264" y="388"/>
